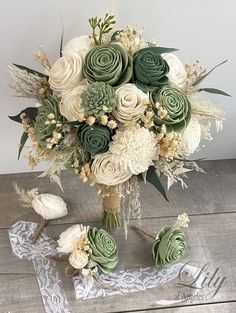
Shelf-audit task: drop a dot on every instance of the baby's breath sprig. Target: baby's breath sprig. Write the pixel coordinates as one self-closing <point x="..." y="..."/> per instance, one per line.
<point x="103" y="26"/>
<point x="182" y="221"/>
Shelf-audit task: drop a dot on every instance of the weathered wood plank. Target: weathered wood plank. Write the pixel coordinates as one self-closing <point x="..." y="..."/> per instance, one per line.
<point x="20" y="294"/>
<point x="211" y="239"/>
<point x="212" y="192"/>
<point x="206" y="308"/>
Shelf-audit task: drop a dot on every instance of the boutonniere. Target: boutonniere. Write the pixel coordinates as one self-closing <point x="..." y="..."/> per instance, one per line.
<point x="47" y="205"/>
<point x="169" y="244"/>
<point x="88" y="250"/>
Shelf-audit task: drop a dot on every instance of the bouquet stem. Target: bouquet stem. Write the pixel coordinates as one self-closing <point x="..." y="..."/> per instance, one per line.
<point x="145" y="232"/>
<point x="111" y="210"/>
<point x="39" y="230"/>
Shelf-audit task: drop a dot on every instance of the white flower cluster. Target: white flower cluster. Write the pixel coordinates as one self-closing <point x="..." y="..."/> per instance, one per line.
<point x="74" y="241"/>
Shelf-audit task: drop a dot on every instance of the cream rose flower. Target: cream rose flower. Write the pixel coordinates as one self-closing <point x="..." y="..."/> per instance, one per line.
<point x="66" y="73"/>
<point x="108" y="173"/>
<point x="70" y="105"/>
<point x="78" y="259"/>
<point x="191" y="138"/>
<point x="134" y="149"/>
<point x="49" y="206"/>
<point x="130" y="103"/>
<point x="80" y="45"/>
<point x="69" y="240"/>
<point x="177" y="74"/>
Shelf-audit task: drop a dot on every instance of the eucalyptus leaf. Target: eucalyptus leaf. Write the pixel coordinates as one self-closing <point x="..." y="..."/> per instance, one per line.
<point x="31" y="71"/>
<point x="153" y="178"/>
<point x="23" y="140"/>
<point x="208" y="73"/>
<point x="214" y="91"/>
<point x="31" y="112"/>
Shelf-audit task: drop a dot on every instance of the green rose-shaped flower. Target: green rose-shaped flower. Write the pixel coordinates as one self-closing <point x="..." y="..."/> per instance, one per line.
<point x="98" y="99"/>
<point x="150" y="69"/>
<point x="176" y="104"/>
<point x="169" y="246"/>
<point x="47" y="117"/>
<point x="109" y="64"/>
<point x="94" y="139"/>
<point x="104" y="249"/>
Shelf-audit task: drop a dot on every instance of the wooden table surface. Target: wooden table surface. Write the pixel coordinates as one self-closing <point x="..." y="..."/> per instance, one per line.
<point x="210" y="202"/>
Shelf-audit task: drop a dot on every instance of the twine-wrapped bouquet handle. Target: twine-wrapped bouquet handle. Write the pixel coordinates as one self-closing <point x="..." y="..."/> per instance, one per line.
<point x="111" y="205"/>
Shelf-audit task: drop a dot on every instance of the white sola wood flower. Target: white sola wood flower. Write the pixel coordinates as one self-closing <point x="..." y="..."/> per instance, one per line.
<point x="177" y="74"/>
<point x="78" y="259"/>
<point x="49" y="206"/>
<point x="130" y="103"/>
<point x="134" y="149"/>
<point x="191" y="138"/>
<point x="66" y="73"/>
<point x="70" y="105"/>
<point x="71" y="239"/>
<point x="80" y="45"/>
<point x="107" y="172"/>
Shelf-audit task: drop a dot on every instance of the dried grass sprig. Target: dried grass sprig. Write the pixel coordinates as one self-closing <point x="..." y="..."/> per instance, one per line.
<point x="28" y="85"/>
<point x="25" y="196"/>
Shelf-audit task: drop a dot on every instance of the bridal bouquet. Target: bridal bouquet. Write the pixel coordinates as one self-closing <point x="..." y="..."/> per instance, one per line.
<point x="115" y="109"/>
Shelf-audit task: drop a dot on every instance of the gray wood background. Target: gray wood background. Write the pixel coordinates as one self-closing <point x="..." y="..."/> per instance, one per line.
<point x="210" y="201"/>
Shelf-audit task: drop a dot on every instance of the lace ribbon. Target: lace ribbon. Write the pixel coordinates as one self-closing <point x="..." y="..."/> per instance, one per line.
<point x="128" y="281"/>
<point x="50" y="285"/>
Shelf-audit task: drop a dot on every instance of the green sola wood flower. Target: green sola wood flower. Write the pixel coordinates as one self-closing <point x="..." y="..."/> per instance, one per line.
<point x="177" y="105"/>
<point x="104" y="250"/>
<point x="47" y="117"/>
<point x="170" y="242"/>
<point x="169" y="246"/>
<point x="150" y="69"/>
<point x="94" y="139"/>
<point x="108" y="63"/>
<point x="98" y="99"/>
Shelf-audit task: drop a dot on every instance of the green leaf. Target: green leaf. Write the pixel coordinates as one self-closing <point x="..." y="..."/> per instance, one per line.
<point x="62" y="37"/>
<point x="23" y="140"/>
<point x="31" y="71"/>
<point x="161" y="50"/>
<point x="31" y="112"/>
<point x="215" y="91"/>
<point x="208" y="73"/>
<point x="153" y="178"/>
<point x="71" y="123"/>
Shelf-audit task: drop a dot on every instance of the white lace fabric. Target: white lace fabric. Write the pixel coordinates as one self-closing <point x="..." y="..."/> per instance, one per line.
<point x="50" y="285"/>
<point x="125" y="281"/>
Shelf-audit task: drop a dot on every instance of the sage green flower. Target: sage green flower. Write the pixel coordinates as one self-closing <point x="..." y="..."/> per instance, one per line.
<point x="169" y="246"/>
<point x="98" y="99"/>
<point x="150" y="69"/>
<point x="94" y="139"/>
<point x="177" y="105"/>
<point x="47" y="117"/>
<point x="104" y="249"/>
<point x="109" y="64"/>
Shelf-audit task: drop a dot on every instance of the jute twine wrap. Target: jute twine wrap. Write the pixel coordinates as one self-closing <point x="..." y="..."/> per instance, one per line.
<point x="112" y="203"/>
